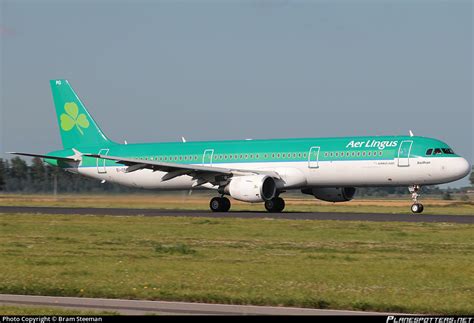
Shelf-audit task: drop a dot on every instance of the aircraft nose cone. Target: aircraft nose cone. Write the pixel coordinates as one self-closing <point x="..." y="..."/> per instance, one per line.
<point x="462" y="167"/>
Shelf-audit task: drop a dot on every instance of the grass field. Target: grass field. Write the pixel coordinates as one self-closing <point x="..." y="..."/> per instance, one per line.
<point x="401" y="267"/>
<point x="201" y="202"/>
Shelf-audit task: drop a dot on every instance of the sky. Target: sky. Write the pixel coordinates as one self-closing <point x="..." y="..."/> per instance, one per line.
<point x="209" y="70"/>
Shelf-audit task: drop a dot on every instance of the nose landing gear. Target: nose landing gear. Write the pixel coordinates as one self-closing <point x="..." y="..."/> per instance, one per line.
<point x="416" y="207"/>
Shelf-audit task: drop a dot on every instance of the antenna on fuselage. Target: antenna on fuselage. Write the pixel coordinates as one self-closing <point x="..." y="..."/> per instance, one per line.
<point x="411" y="133"/>
<point x="183" y="139"/>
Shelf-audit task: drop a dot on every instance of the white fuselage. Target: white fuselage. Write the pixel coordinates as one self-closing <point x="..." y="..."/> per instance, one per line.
<point x="296" y="175"/>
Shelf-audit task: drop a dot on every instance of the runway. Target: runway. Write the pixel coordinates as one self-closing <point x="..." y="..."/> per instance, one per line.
<point x="138" y="307"/>
<point x="339" y="216"/>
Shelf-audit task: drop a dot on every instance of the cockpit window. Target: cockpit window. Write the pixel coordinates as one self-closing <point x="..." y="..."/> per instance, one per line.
<point x="439" y="151"/>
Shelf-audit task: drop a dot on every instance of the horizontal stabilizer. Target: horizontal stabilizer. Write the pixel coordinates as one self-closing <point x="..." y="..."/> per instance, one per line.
<point x="43" y="156"/>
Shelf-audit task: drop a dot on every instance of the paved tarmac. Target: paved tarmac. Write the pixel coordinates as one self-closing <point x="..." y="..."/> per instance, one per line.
<point x="137" y="307"/>
<point x="373" y="217"/>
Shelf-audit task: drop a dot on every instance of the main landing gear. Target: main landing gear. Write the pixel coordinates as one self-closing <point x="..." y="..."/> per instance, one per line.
<point x="219" y="204"/>
<point x="275" y="205"/>
<point x="416" y="207"/>
<point x="222" y="204"/>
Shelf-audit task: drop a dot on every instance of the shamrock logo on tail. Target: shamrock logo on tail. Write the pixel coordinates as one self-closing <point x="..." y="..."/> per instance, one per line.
<point x="72" y="118"/>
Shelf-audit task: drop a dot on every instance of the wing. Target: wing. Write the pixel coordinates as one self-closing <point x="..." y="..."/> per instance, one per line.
<point x="203" y="174"/>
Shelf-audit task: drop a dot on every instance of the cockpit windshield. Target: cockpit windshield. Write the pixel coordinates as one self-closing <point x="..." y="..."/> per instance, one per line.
<point x="448" y="151"/>
<point x="439" y="151"/>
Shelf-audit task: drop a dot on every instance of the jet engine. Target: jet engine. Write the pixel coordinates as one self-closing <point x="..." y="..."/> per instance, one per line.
<point x="331" y="194"/>
<point x="251" y="188"/>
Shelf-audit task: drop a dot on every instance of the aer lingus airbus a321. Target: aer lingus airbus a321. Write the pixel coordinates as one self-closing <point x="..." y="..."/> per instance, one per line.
<point x="252" y="171"/>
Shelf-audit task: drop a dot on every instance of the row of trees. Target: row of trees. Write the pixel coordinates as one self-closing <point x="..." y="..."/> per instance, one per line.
<point x="17" y="176"/>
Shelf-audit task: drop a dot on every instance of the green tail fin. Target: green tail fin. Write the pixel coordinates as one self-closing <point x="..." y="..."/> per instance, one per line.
<point x="76" y="125"/>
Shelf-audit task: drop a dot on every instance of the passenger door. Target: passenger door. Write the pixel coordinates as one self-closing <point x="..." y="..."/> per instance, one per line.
<point x="207" y="157"/>
<point x="313" y="157"/>
<point x="404" y="153"/>
<point x="101" y="162"/>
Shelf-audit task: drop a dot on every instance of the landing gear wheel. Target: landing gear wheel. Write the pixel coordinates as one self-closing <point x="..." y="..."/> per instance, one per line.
<point x="225" y="204"/>
<point x="417" y="208"/>
<point x="276" y="205"/>
<point x="219" y="204"/>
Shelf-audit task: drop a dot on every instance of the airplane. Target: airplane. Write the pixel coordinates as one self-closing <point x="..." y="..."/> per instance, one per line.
<point x="330" y="169"/>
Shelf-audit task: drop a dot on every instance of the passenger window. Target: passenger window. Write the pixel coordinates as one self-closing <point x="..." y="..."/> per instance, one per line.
<point x="429" y="151"/>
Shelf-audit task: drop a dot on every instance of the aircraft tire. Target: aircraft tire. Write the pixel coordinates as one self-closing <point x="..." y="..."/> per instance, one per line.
<point x="275" y="205"/>
<point x="417" y="208"/>
<point x="219" y="204"/>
